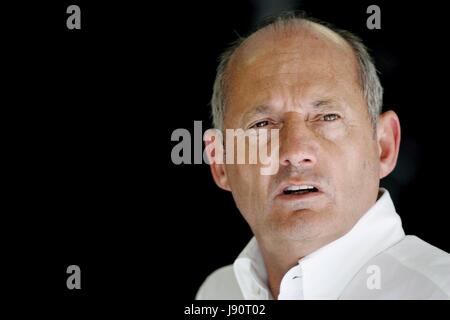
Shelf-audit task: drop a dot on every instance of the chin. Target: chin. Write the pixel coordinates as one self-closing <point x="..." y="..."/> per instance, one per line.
<point x="299" y="225"/>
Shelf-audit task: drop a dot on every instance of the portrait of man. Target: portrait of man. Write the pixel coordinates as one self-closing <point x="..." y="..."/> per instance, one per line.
<point x="322" y="226"/>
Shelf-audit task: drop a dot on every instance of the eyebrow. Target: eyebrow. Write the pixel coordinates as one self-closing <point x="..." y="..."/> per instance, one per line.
<point x="261" y="109"/>
<point x="265" y="109"/>
<point x="324" y="103"/>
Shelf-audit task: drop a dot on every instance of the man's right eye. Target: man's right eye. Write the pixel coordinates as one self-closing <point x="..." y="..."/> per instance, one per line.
<point x="260" y="124"/>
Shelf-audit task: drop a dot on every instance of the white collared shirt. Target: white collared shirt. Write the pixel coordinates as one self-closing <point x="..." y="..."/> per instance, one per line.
<point x="374" y="260"/>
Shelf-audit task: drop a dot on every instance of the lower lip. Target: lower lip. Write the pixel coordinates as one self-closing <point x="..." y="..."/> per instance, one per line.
<point x="297" y="197"/>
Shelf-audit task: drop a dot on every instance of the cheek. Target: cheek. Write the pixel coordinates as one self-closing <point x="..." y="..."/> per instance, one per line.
<point x="334" y="132"/>
<point x="359" y="165"/>
<point x="352" y="155"/>
<point x="248" y="186"/>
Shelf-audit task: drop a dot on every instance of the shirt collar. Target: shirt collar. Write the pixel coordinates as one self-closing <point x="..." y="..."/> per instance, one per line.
<point x="326" y="271"/>
<point x="251" y="273"/>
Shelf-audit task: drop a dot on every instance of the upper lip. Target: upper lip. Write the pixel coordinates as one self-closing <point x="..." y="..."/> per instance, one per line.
<point x="283" y="185"/>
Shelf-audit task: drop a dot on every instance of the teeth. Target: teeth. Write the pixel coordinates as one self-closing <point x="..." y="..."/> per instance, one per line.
<point x="297" y="188"/>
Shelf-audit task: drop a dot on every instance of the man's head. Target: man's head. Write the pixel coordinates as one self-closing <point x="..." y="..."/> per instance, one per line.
<point x="319" y="88"/>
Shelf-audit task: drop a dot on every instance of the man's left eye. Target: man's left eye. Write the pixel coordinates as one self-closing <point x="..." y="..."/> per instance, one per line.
<point x="330" y="117"/>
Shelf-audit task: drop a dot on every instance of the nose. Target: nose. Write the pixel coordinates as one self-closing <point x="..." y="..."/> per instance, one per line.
<point x="298" y="146"/>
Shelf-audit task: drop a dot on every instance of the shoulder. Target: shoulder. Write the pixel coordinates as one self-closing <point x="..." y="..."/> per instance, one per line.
<point x="424" y="259"/>
<point x="410" y="269"/>
<point x="220" y="285"/>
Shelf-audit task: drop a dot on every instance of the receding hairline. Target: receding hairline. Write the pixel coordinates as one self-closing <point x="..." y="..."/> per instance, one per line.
<point x="297" y="27"/>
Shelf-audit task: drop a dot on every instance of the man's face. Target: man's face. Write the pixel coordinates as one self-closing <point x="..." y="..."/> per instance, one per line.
<point x="306" y="85"/>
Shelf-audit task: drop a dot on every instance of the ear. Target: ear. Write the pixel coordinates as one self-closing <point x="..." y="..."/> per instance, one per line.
<point x="214" y="154"/>
<point x="388" y="139"/>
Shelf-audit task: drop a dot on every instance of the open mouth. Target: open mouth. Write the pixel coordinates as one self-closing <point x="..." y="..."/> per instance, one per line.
<point x="299" y="189"/>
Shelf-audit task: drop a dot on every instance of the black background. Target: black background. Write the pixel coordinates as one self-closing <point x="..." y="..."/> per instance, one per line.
<point x="88" y="118"/>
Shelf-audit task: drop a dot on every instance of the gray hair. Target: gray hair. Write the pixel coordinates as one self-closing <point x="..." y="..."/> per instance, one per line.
<point x="370" y="83"/>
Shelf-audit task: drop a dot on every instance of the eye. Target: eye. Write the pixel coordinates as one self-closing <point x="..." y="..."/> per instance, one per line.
<point x="260" y="124"/>
<point x="330" y="117"/>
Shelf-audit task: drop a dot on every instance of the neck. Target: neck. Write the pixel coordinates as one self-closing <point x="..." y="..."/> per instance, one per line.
<point x="280" y="256"/>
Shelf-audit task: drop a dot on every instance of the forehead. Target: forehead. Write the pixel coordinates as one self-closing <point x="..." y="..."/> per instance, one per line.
<point x="291" y="59"/>
<point x="302" y="37"/>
